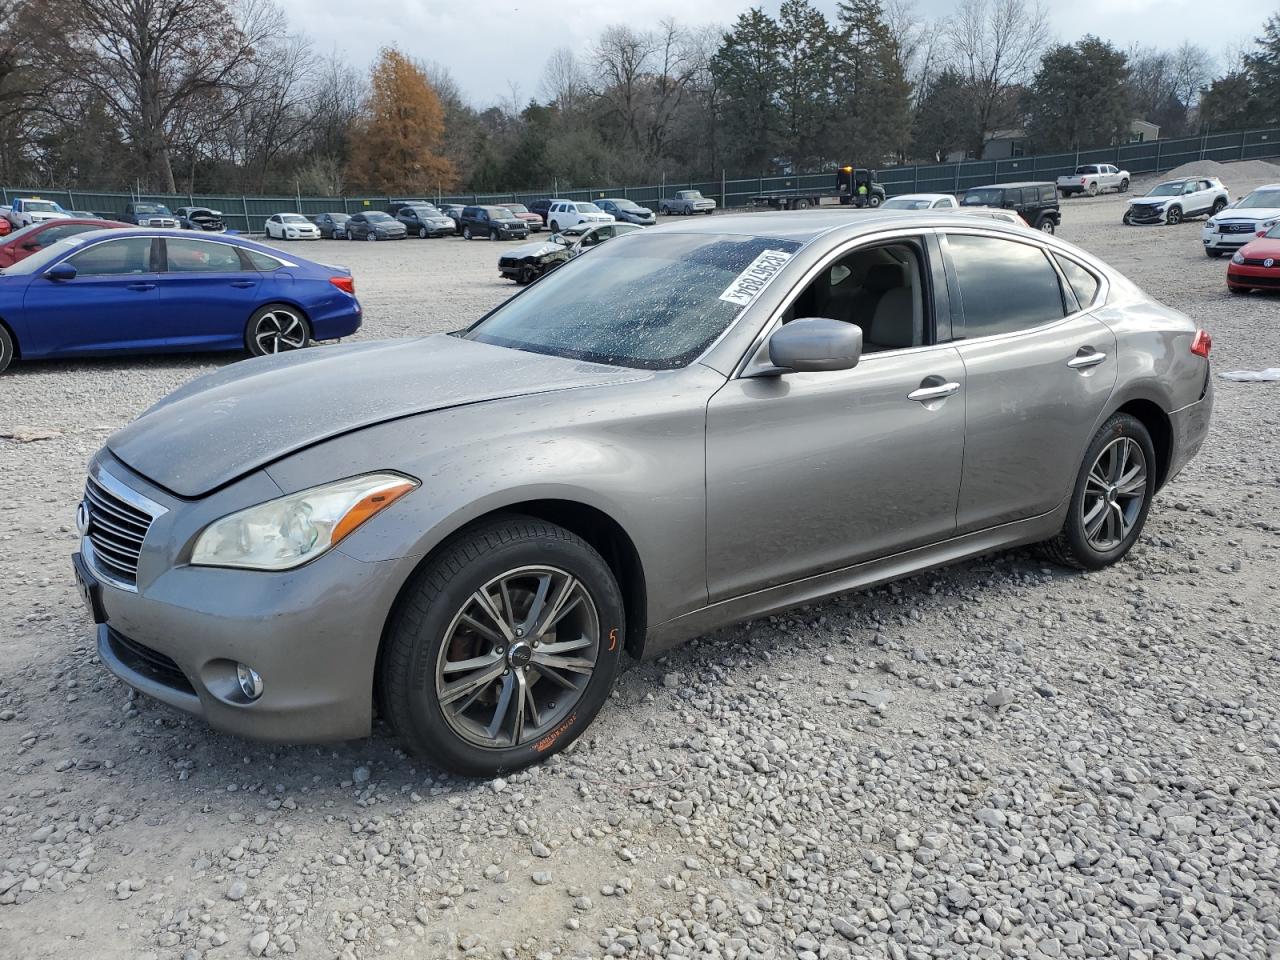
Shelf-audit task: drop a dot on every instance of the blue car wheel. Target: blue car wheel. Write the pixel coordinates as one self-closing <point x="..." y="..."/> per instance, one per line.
<point x="277" y="328"/>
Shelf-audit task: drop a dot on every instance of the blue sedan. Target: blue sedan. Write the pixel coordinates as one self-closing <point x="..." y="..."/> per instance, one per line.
<point x="154" y="291"/>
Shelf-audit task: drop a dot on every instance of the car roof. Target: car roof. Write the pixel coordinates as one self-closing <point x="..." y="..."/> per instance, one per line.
<point x="804" y="226"/>
<point x="64" y="221"/>
<point x="1020" y="183"/>
<point x="921" y="196"/>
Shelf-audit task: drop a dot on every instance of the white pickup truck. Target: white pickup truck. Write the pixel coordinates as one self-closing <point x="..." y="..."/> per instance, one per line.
<point x="1093" y="179"/>
<point x="24" y="211"/>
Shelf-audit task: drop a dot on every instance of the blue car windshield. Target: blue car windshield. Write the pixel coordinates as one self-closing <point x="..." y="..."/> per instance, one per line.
<point x="653" y="302"/>
<point x="42" y="258"/>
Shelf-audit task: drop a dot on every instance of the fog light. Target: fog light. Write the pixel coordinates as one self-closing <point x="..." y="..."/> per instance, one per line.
<point x="250" y="682"/>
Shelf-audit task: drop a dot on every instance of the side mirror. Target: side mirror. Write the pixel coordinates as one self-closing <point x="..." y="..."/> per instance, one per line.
<point x="816" y="344"/>
<point x="61" y="271"/>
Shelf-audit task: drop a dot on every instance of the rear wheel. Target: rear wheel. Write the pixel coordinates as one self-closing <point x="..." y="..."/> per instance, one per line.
<point x="6" y="349"/>
<point x="1218" y="206"/>
<point x="1124" y="185"/>
<point x="1093" y="189"/>
<point x="1212" y="253"/>
<point x="422" y="233"/>
<point x="493" y="234"/>
<point x="466" y="233"/>
<point x="1046" y="225"/>
<point x="1174" y="216"/>
<point x="1111" y="498"/>
<point x="277" y="328"/>
<point x="503" y="649"/>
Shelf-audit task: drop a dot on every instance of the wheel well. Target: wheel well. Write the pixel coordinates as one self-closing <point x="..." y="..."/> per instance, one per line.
<point x="1157" y="423"/>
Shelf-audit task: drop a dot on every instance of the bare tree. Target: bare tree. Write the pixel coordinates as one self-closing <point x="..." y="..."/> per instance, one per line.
<point x="153" y="61"/>
<point x="996" y="45"/>
<point x="565" y="84"/>
<point x="642" y="79"/>
<point x="1193" y="68"/>
<point x="921" y="44"/>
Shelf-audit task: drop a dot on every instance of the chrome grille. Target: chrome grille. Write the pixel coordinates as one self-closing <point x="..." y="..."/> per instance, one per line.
<point x="116" y="530"/>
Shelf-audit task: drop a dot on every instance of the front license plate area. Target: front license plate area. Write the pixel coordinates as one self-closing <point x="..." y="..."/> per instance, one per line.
<point x="90" y="589"/>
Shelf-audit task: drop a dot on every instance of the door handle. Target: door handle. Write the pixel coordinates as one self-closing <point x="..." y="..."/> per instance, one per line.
<point x="242" y="283"/>
<point x="940" y="392"/>
<point x="1082" y="361"/>
<point x="142" y="286"/>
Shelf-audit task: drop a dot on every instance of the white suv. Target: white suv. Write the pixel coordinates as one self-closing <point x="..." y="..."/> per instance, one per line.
<point x="568" y="213"/>
<point x="1230" y="229"/>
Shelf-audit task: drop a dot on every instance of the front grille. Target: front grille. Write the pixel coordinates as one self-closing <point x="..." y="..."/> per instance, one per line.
<point x="116" y="530"/>
<point x="1237" y="227"/>
<point x="1262" y="262"/>
<point x="149" y="663"/>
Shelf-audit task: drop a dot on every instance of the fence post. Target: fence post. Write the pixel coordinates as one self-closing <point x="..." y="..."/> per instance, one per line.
<point x="724" y="200"/>
<point x="244" y="202"/>
<point x="957" y="181"/>
<point x="71" y="200"/>
<point x="1158" y="146"/>
<point x="1244" y="136"/>
<point x="915" y="178"/>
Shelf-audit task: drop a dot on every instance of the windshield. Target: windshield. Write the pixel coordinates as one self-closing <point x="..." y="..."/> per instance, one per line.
<point x="501" y="213"/>
<point x="588" y="208"/>
<point x="1260" y="199"/>
<point x="1171" y="189"/>
<point x="905" y="203"/>
<point x="293" y="218"/>
<point x="338" y="217"/>
<point x="626" y="205"/>
<point x="377" y="217"/>
<point x="41" y="206"/>
<point x="425" y="210"/>
<point x="690" y="194"/>
<point x="39" y="260"/>
<point x="983" y="197"/>
<point x="653" y="302"/>
<point x="158" y="208"/>
<point x="516" y="207"/>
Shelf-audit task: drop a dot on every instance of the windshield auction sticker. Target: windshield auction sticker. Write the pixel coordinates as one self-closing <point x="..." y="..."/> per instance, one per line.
<point x="751" y="281"/>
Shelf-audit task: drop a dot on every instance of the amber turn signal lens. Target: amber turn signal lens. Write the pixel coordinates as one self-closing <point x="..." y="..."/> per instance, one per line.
<point x="369" y="505"/>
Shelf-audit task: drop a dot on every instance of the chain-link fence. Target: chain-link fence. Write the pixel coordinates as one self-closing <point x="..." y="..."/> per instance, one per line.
<point x="249" y="213"/>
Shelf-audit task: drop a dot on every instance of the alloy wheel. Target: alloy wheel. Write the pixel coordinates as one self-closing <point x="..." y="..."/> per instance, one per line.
<point x="1115" y="491"/>
<point x="279" y="330"/>
<point x="517" y="657"/>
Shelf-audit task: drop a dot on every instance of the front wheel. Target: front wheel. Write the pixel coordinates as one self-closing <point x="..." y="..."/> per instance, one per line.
<point x="526" y="276"/>
<point x="422" y="233"/>
<point x="493" y="234"/>
<point x="1211" y="253"/>
<point x="466" y="233"/>
<point x="874" y="201"/>
<point x="1112" y="496"/>
<point x="1174" y="216"/>
<point x="371" y="236"/>
<point x="276" y="328"/>
<point x="555" y="226"/>
<point x="1127" y="219"/>
<point x="1093" y="189"/>
<point x="1124" y="186"/>
<point x="502" y="649"/>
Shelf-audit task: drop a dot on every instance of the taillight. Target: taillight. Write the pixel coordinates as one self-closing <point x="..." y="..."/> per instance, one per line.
<point x="1084" y="179"/>
<point x="345" y="284"/>
<point x="1201" y="344"/>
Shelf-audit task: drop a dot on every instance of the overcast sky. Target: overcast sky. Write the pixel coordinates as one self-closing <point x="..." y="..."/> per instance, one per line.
<point x="489" y="44"/>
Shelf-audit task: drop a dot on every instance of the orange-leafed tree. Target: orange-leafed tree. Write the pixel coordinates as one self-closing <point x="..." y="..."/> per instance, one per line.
<point x="396" y="141"/>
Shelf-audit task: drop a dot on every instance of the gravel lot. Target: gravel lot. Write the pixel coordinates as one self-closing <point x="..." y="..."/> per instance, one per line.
<point x="999" y="759"/>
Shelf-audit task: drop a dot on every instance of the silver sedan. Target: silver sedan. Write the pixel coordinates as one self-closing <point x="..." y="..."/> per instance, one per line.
<point x="689" y="426"/>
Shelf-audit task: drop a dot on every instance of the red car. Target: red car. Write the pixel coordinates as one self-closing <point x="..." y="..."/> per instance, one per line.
<point x="23" y="243"/>
<point x="532" y="220"/>
<point x="1256" y="265"/>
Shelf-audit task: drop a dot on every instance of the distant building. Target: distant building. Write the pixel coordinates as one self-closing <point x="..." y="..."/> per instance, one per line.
<point x="999" y="145"/>
<point x="1141" y="131"/>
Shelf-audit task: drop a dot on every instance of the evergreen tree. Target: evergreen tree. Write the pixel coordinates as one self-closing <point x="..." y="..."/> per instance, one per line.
<point x="746" y="69"/>
<point x="873" y="95"/>
<point x="806" y="61"/>
<point x="1078" y="97"/>
<point x="1263" y="67"/>
<point x="945" y="119"/>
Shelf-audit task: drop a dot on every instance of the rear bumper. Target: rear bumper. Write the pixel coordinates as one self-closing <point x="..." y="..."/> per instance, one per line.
<point x="1189" y="428"/>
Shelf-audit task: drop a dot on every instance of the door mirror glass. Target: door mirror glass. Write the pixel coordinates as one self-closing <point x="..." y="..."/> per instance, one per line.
<point x="816" y="344"/>
<point x="62" y="271"/>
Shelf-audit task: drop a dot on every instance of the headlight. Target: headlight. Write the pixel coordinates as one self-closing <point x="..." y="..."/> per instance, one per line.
<point x="1237" y="257"/>
<point x="1211" y="223"/>
<point x="1267" y="224"/>
<point x="288" y="532"/>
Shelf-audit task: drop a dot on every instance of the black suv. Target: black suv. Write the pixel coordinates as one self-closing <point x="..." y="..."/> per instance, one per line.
<point x="1036" y="203"/>
<point x="496" y="223"/>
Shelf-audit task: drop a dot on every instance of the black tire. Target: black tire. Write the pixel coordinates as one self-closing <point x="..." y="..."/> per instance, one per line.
<point x="7" y="349"/>
<point x="555" y="226"/>
<point x="1124" y="186"/>
<point x="665" y="210"/>
<point x="256" y="328"/>
<point x="422" y="233"/>
<point x="349" y="235"/>
<point x="438" y="595"/>
<point x="1218" y="206"/>
<point x="466" y="233"/>
<point x="526" y="276"/>
<point x="874" y="200"/>
<point x="1093" y="189"/>
<point x="1173" y="216"/>
<point x="493" y="234"/>
<point x="1211" y="253"/>
<point x="1046" y="225"/>
<point x="1072" y="546"/>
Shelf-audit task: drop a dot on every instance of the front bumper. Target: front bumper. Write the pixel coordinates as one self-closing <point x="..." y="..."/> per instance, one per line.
<point x="1215" y="240"/>
<point x="311" y="633"/>
<point x="1146" y="214"/>
<point x="1253" y="275"/>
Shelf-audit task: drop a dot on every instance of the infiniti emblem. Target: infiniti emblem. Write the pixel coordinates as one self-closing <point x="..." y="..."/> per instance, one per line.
<point x="82" y="519"/>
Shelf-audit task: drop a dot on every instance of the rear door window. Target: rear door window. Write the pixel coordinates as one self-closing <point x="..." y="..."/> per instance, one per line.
<point x="201" y="256"/>
<point x="1005" y="286"/>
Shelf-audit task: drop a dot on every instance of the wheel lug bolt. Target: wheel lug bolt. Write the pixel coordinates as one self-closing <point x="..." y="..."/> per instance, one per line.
<point x="502" y="649"/>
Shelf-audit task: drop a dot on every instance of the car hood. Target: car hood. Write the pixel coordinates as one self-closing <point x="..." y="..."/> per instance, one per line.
<point x="1261" y="249"/>
<point x="222" y="426"/>
<point x="1249" y="213"/>
<point x="537" y="249"/>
